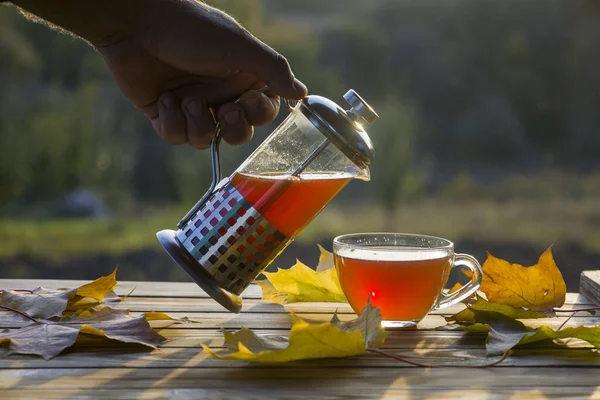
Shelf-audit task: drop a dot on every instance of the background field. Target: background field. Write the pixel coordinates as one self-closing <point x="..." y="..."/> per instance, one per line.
<point x="489" y="135"/>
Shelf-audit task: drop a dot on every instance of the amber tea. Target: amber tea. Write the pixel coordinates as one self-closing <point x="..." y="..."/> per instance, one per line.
<point x="404" y="275"/>
<point x="404" y="286"/>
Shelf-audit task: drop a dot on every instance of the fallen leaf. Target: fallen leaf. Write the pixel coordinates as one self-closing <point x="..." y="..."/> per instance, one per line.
<point x="368" y="323"/>
<point x="125" y="330"/>
<point x="466" y="272"/>
<point x="38" y="304"/>
<point x="538" y="287"/>
<point x="254" y="342"/>
<point x="270" y="293"/>
<point x="500" y="341"/>
<point x="325" y="260"/>
<point x="44" y="340"/>
<point x="49" y="338"/>
<point x="454" y="288"/>
<point x="307" y="340"/>
<point x="302" y="284"/>
<point x="99" y="288"/>
<point x="480" y="304"/>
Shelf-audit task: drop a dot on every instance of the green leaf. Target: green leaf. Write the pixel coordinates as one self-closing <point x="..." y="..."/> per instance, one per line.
<point x="505" y="333"/>
<point x="307" y="340"/>
<point x="480" y="304"/>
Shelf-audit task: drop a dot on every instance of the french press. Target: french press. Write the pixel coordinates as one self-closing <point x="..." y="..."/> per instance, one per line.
<point x="245" y="221"/>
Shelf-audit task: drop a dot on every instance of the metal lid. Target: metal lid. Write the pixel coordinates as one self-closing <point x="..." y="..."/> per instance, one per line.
<point x="343" y="127"/>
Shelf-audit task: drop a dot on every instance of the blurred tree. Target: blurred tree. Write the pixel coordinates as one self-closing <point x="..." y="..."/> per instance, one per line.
<point x="393" y="177"/>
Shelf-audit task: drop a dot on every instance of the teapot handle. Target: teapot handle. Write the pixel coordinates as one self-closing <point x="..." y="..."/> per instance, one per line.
<point x="216" y="163"/>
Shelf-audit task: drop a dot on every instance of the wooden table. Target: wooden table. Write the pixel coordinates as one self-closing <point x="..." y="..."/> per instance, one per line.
<point x="180" y="369"/>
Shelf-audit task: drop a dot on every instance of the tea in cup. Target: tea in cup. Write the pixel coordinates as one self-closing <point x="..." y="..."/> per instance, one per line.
<point x="403" y="274"/>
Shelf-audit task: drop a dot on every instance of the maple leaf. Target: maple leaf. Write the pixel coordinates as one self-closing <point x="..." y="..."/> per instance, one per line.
<point x="307" y="340"/>
<point x="39" y="339"/>
<point x="325" y="259"/>
<point x="39" y="303"/>
<point x="368" y="323"/>
<point x="538" y="287"/>
<point x="94" y="292"/>
<point x="480" y="304"/>
<point x="49" y="338"/>
<point x="46" y="303"/>
<point x="99" y="287"/>
<point x="302" y="284"/>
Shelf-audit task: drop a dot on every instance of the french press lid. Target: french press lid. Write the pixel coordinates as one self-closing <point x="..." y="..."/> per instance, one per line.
<point x="344" y="128"/>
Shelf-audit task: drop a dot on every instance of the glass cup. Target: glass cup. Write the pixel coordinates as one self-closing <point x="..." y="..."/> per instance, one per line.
<point x="403" y="274"/>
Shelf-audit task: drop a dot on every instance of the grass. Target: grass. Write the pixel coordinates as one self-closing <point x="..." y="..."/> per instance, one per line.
<point x="55" y="239"/>
<point x="530" y="220"/>
<point x="525" y="221"/>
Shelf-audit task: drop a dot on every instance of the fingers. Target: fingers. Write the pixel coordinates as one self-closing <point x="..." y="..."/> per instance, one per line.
<point x="191" y="119"/>
<point x="173" y="125"/>
<point x="200" y="123"/>
<point x="184" y="121"/>
<point x="253" y="109"/>
<point x="235" y="128"/>
<point x="259" y="108"/>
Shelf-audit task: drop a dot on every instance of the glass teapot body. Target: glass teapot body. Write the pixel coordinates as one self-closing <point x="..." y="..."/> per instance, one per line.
<point x="248" y="218"/>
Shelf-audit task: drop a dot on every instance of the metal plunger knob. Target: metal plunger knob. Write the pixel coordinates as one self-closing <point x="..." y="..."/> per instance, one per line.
<point x="360" y="108"/>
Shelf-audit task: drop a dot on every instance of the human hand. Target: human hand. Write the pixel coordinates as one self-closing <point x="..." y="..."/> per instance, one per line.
<point x="182" y="63"/>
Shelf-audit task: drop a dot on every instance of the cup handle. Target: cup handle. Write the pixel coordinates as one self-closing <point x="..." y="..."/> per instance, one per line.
<point x="464" y="260"/>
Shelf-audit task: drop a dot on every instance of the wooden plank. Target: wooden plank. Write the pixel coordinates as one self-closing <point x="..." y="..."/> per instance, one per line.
<point x="195" y="358"/>
<point x="572" y="393"/>
<point x="589" y="285"/>
<point x="170" y="289"/>
<point x="263" y="306"/>
<point x="284" y="320"/>
<point x="142" y="288"/>
<point x="418" y="339"/>
<point x="353" y="381"/>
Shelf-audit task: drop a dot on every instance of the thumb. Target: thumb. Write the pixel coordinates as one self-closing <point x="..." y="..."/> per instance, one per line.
<point x="273" y="69"/>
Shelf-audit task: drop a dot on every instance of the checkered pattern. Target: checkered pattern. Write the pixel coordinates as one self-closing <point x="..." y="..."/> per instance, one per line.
<point x="231" y="239"/>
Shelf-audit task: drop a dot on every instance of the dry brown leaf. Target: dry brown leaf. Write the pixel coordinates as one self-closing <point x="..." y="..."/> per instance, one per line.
<point x="47" y="338"/>
<point x="39" y="304"/>
<point x="539" y="287"/>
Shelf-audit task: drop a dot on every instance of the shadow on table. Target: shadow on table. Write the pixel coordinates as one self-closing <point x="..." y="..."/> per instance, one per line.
<point x="134" y="372"/>
<point x="196" y="376"/>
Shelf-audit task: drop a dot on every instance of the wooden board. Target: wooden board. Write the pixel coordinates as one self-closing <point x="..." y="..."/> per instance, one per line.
<point x="590" y="285"/>
<point x="180" y="368"/>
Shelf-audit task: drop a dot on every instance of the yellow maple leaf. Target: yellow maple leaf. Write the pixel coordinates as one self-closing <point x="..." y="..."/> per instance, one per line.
<point x="99" y="288"/>
<point x="325" y="259"/>
<point x="302" y="284"/>
<point x="307" y="340"/>
<point x="538" y="287"/>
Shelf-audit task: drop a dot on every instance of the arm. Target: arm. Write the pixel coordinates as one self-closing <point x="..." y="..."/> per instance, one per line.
<point x="181" y="62"/>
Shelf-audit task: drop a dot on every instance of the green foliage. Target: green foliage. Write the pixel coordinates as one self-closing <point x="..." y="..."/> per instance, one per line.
<point x="460" y="87"/>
